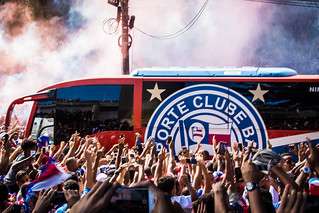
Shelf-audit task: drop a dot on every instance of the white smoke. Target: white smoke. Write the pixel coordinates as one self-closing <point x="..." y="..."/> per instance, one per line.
<point x="43" y="51"/>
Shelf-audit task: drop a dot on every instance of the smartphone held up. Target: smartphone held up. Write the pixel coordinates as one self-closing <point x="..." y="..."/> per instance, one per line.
<point x="222" y="146"/>
<point x="132" y="199"/>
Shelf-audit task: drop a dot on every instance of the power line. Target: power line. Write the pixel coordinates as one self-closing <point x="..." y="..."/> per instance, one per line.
<point x="303" y="3"/>
<point x="181" y="31"/>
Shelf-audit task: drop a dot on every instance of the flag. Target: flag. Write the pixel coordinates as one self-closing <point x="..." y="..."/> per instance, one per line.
<point x="314" y="186"/>
<point x="43" y="140"/>
<point x="50" y="177"/>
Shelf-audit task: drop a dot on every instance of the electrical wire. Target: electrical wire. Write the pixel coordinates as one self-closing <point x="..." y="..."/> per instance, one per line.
<point x="181" y="31"/>
<point x="112" y="24"/>
<point x="303" y="3"/>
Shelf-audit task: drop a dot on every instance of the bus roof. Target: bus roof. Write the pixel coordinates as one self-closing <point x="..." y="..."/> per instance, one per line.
<point x="215" y="72"/>
<point x="250" y="74"/>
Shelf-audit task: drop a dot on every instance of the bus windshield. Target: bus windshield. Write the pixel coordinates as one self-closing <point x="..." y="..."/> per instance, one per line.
<point x="87" y="109"/>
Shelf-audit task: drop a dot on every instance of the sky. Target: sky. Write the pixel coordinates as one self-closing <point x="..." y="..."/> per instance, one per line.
<point x="45" y="42"/>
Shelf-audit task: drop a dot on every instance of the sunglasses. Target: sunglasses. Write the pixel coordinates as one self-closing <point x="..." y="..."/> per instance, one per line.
<point x="289" y="161"/>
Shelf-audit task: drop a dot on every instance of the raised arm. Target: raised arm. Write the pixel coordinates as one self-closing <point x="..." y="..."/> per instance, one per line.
<point x="284" y="177"/>
<point x="252" y="176"/>
<point x="88" y="172"/>
<point x="71" y="144"/>
<point x="185" y="182"/>
<point x="207" y="184"/>
<point x="99" y="154"/>
<point x="58" y="153"/>
<point x="4" y="164"/>
<point x="120" y="151"/>
<point x="198" y="176"/>
<point x="171" y="159"/>
<point x="158" y="171"/>
<point x="313" y="158"/>
<point x="15" y="153"/>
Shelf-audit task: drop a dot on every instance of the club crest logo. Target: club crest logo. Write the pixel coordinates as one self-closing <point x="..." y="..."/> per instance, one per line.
<point x="200" y="112"/>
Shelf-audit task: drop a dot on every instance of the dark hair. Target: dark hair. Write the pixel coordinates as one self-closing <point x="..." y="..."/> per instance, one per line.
<point x="71" y="184"/>
<point x="28" y="144"/>
<point x="166" y="184"/>
<point x="20" y="174"/>
<point x="185" y="191"/>
<point x="207" y="199"/>
<point x="73" y="177"/>
<point x="205" y="153"/>
<point x="210" y="166"/>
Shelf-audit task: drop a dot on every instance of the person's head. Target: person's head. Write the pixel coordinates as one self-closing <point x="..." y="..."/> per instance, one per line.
<point x="206" y="199"/>
<point x="131" y="172"/>
<point x="205" y="154"/>
<point x="15" y="136"/>
<point x="184" y="151"/>
<point x="167" y="184"/>
<point x="71" y="185"/>
<point x="21" y="134"/>
<point x="287" y="162"/>
<point x="185" y="191"/>
<point x="209" y="166"/>
<point x="22" y="177"/>
<point x="27" y="145"/>
<point x="71" y="164"/>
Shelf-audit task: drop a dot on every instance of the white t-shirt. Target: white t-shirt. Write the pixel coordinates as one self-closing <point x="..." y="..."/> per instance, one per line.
<point x="274" y="194"/>
<point x="184" y="201"/>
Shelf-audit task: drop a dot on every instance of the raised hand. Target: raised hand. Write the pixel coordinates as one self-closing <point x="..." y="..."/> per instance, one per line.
<point x="100" y="152"/>
<point x="162" y="154"/>
<point x="313" y="158"/>
<point x="235" y="147"/>
<point x="71" y="196"/>
<point x="45" y="201"/>
<point x="292" y="202"/>
<point x="98" y="199"/>
<point x="250" y="172"/>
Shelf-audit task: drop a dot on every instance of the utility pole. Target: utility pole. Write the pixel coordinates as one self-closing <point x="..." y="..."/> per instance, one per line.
<point x="125" y="40"/>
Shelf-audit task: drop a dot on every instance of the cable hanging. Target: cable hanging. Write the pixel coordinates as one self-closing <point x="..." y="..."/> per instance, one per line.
<point x="303" y="3"/>
<point x="181" y="31"/>
<point x="112" y="24"/>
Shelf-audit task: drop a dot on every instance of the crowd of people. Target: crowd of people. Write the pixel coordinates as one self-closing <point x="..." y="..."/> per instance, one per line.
<point x="79" y="175"/>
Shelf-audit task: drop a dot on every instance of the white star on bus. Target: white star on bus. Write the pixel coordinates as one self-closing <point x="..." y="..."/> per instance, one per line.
<point x="156" y="92"/>
<point x="258" y="93"/>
